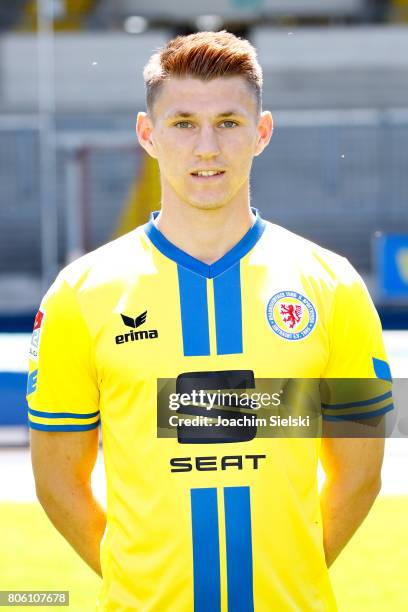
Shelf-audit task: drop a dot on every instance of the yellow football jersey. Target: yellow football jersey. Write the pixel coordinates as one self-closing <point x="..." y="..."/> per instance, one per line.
<point x="208" y="524"/>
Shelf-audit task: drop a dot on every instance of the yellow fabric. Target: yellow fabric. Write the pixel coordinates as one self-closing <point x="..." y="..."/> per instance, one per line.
<point x="147" y="553"/>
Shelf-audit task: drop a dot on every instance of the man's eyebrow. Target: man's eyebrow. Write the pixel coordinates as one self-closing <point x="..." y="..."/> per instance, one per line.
<point x="231" y="113"/>
<point x="186" y="115"/>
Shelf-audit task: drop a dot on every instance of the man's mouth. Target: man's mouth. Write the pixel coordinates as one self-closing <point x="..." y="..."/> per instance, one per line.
<point x="207" y="173"/>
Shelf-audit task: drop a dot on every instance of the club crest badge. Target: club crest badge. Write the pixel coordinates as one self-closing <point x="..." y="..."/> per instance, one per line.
<point x="291" y="315"/>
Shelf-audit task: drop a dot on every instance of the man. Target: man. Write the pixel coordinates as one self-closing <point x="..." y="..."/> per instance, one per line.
<point x="199" y="521"/>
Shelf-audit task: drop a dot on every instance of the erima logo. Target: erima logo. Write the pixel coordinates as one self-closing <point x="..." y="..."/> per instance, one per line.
<point x="134" y="335"/>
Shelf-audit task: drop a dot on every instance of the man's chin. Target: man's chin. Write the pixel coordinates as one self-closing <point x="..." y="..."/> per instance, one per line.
<point x="207" y="205"/>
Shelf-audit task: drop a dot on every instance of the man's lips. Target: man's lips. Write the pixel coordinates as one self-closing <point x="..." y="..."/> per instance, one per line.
<point x="207" y="174"/>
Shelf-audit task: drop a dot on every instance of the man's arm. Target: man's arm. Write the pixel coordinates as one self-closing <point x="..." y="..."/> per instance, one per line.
<point x="353" y="481"/>
<point x="62" y="465"/>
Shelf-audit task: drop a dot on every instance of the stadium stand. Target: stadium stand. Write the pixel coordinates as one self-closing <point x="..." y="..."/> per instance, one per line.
<point x="11" y="13"/>
<point x="232" y="12"/>
<point x="69" y="15"/>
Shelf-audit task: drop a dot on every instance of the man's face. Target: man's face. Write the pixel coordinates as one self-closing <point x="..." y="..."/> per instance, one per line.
<point x="204" y="135"/>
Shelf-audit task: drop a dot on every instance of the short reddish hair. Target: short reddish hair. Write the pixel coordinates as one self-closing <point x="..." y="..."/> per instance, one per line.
<point x="206" y="56"/>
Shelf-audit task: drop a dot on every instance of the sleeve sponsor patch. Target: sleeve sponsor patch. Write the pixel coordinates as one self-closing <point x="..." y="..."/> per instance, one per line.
<point x="35" y="338"/>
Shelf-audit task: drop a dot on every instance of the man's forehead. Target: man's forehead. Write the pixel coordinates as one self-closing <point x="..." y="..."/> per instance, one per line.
<point x="220" y="96"/>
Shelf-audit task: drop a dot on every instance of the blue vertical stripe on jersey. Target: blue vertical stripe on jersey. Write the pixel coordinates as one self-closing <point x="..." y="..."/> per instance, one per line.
<point x="194" y="312"/>
<point x="382" y="369"/>
<point x="228" y="311"/>
<point x="206" y="550"/>
<point x="237" y="507"/>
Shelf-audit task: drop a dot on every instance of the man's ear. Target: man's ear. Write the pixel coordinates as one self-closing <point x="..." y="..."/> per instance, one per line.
<point x="144" y="131"/>
<point x="265" y="129"/>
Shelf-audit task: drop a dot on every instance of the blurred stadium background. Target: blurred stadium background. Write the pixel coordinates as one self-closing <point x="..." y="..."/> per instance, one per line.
<point x="73" y="177"/>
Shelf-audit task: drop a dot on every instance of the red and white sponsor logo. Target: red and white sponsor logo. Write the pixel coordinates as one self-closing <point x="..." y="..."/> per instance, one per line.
<point x="35" y="338"/>
<point x="38" y="319"/>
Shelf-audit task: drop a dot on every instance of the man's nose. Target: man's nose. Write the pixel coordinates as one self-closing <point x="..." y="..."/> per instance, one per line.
<point x="206" y="145"/>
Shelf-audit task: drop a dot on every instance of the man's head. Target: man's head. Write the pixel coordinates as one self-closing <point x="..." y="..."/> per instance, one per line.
<point x="205" y="56"/>
<point x="204" y="115"/>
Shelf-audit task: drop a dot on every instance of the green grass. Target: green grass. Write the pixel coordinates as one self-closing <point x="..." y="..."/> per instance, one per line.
<point x="34" y="556"/>
<point x="369" y="576"/>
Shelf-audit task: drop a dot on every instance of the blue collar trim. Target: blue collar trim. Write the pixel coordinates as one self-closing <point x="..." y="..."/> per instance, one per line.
<point x="182" y="258"/>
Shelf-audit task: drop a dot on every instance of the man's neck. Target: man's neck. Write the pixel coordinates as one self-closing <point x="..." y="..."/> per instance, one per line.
<point x="206" y="235"/>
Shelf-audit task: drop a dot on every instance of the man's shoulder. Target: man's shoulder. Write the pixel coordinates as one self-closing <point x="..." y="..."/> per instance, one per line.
<point x="310" y="259"/>
<point x="112" y="264"/>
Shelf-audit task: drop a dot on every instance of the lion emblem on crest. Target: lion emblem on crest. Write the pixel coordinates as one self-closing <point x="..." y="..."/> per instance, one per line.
<point x="291" y="314"/>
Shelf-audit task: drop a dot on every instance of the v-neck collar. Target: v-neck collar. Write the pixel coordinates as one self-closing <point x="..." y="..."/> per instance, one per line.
<point x="182" y="258"/>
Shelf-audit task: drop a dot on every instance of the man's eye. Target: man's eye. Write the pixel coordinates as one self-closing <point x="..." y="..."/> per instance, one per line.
<point x="183" y="124"/>
<point x="229" y="123"/>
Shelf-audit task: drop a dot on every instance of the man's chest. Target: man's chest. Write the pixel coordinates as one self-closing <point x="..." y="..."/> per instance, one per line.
<point x="243" y="320"/>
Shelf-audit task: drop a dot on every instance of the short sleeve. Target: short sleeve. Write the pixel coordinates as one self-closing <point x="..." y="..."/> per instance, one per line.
<point x="62" y="387"/>
<point x="356" y="353"/>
